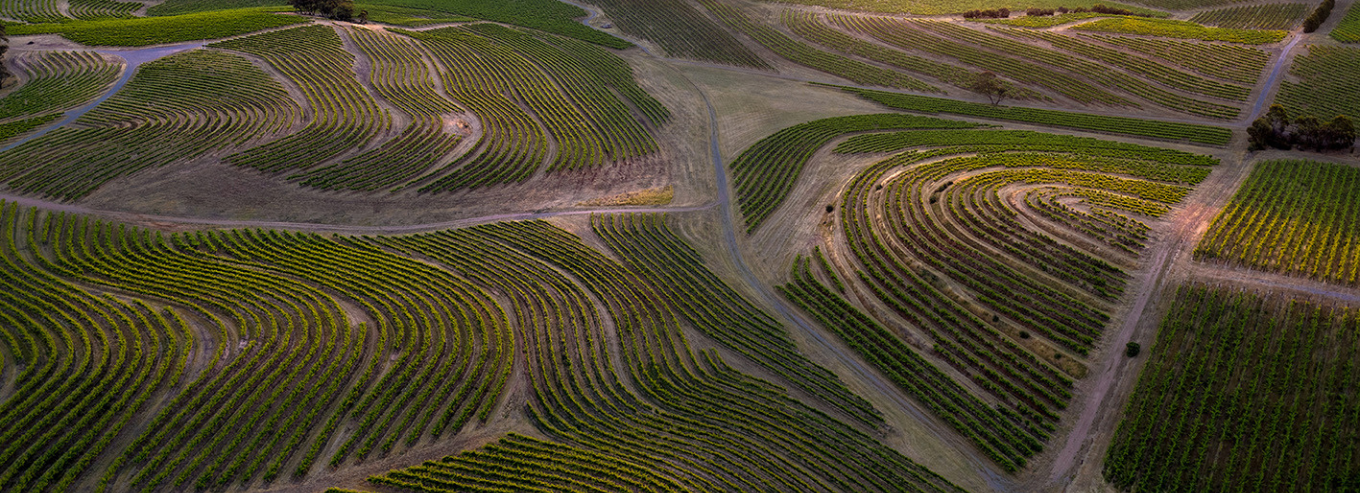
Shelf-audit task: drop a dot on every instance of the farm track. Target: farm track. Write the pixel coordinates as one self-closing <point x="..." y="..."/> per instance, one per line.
<point x="1169" y="262"/>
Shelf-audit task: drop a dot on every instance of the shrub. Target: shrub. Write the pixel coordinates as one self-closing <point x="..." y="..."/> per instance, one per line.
<point x="1132" y="349"/>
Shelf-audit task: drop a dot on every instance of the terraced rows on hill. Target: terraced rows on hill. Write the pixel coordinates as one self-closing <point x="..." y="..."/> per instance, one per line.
<point x="174" y="109"/>
<point x="664" y="414"/>
<point x="1003" y="252"/>
<point x="542" y="102"/>
<point x="57" y="81"/>
<point x="247" y="356"/>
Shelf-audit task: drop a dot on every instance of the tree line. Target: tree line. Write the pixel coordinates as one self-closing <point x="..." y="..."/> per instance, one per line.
<point x="335" y="9"/>
<point x="1276" y="130"/>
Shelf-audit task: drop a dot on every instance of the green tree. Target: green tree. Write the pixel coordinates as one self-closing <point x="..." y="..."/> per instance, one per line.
<point x="1308" y="132"/>
<point x="988" y="84"/>
<point x="1340" y="133"/>
<point x="342" y="10"/>
<point x="4" y="48"/>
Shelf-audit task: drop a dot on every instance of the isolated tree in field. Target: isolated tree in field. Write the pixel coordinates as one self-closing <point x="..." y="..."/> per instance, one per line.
<point x="363" y="17"/>
<point x="987" y="83"/>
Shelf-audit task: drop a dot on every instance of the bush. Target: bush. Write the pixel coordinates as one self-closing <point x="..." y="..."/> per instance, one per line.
<point x="1132" y="349"/>
<point x="1035" y="12"/>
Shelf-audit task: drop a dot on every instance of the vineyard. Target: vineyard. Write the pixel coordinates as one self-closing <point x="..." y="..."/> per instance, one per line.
<point x="174" y="109"/>
<point x="144" y="31"/>
<point x="1182" y="29"/>
<point x="1348" y="31"/>
<point x="1280" y="16"/>
<point x="809" y="56"/>
<point x="58" y="81"/>
<point x="1077" y="68"/>
<point x="38" y="11"/>
<point x="1241" y="64"/>
<point x="935" y="234"/>
<point x="1204" y="134"/>
<point x="1293" y="217"/>
<point x="680" y="29"/>
<point x="1324" y="87"/>
<point x="765" y="173"/>
<point x="688" y="420"/>
<point x="1243" y="391"/>
<point x="777" y="245"/>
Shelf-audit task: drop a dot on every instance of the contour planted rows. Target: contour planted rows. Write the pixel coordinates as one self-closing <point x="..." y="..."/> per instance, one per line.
<point x="57" y="81"/>
<point x="542" y="102"/>
<point x="174" y="109"/>
<point x="661" y="415"/>
<point x="290" y="369"/>
<point x="1005" y="250"/>
<point x="262" y="352"/>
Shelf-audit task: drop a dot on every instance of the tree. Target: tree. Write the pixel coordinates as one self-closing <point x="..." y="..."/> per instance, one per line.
<point x="1307" y="132"/>
<point x="342" y="10"/>
<point x="1132" y="349"/>
<point x="1278" y="118"/>
<point x="1339" y="133"/>
<point x="988" y="84"/>
<point x="1260" y="134"/>
<point x="4" y="70"/>
<point x="363" y="17"/>
<point x="306" y="6"/>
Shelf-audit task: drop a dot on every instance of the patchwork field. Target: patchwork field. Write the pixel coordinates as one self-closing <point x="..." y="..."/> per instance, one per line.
<point x="719" y="245"/>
